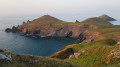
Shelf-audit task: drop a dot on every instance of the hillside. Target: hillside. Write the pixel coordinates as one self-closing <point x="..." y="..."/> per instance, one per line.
<point x="30" y="61"/>
<point x="97" y="53"/>
<point x="105" y="28"/>
<point x="96" y="21"/>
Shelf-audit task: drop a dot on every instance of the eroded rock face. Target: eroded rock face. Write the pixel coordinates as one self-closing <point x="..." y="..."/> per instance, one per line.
<point x="65" y="53"/>
<point x="114" y="54"/>
<point x="75" y="55"/>
<point x="80" y="31"/>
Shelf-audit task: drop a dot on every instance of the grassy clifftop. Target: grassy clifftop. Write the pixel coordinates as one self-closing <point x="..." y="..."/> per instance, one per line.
<point x="91" y="54"/>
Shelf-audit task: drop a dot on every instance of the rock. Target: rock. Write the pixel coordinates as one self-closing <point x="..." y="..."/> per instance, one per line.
<point x="4" y="57"/>
<point x="114" y="54"/>
<point x="23" y="22"/>
<point x="76" y="21"/>
<point x="28" y="21"/>
<point x="8" y="30"/>
<point x="1" y="50"/>
<point x="63" y="54"/>
<point x="83" y="51"/>
<point x="75" y="55"/>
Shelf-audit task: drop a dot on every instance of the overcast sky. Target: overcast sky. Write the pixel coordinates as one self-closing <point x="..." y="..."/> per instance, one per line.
<point x="58" y="6"/>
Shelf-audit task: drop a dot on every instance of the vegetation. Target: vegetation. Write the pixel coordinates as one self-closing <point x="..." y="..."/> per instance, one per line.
<point x="33" y="61"/>
<point x="92" y="54"/>
<point x="105" y="28"/>
<point x="97" y="21"/>
<point x="96" y="53"/>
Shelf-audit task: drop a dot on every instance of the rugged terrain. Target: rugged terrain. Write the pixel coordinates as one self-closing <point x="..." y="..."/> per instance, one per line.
<point x="97" y="53"/>
<point x="49" y="26"/>
<point x="99" y="39"/>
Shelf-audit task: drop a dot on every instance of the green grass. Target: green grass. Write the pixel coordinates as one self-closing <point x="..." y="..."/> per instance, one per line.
<point x="96" y="52"/>
<point x="96" y="21"/>
<point x="45" y="21"/>
<point x="34" y="61"/>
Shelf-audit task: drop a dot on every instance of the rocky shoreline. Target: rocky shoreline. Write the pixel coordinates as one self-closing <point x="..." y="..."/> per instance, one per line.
<point x="61" y="29"/>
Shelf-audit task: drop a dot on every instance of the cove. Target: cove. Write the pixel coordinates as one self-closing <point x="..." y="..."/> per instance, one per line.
<point x="17" y="44"/>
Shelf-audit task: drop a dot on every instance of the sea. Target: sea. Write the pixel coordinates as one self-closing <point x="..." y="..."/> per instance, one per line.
<point x="45" y="46"/>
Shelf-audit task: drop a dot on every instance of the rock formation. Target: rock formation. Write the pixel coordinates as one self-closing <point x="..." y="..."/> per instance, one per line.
<point x="76" y="21"/>
<point x="49" y="26"/>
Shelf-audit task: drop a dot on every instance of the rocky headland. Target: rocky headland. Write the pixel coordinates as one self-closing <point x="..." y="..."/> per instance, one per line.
<point x="99" y="40"/>
<point x="49" y="26"/>
<point x="80" y="31"/>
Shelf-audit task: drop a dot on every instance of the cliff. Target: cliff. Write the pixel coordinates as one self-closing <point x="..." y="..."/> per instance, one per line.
<point x="49" y="26"/>
<point x="88" y="30"/>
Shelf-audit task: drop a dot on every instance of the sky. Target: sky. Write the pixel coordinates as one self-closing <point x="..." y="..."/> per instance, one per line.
<point x="13" y="7"/>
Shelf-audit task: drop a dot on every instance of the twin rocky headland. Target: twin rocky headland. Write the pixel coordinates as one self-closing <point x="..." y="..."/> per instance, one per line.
<point x="99" y="43"/>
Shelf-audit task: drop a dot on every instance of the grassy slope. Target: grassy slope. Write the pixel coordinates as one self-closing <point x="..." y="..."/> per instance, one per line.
<point x="30" y="61"/>
<point x="104" y="28"/>
<point x="95" y="55"/>
<point x="96" y="21"/>
<point x="96" y="52"/>
<point x="46" y="19"/>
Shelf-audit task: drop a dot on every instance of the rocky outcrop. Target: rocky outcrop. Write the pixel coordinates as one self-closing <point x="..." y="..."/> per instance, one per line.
<point x="8" y="30"/>
<point x="75" y="55"/>
<point x="76" y="21"/>
<point x="63" y="54"/>
<point x="114" y="54"/>
<point x="14" y="29"/>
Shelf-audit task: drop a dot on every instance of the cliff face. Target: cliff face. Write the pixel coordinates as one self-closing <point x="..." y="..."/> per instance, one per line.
<point x="80" y="31"/>
<point x="52" y="27"/>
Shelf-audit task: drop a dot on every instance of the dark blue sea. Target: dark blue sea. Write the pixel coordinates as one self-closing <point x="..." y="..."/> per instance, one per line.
<point x="17" y="44"/>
